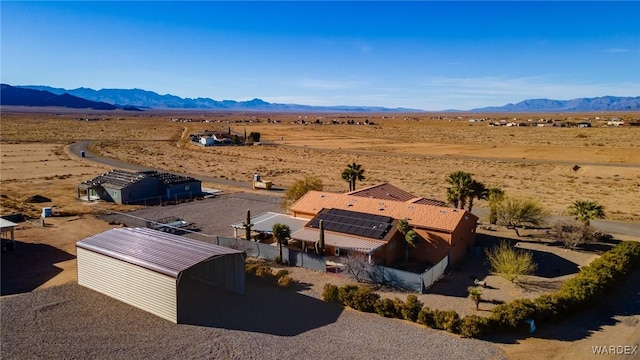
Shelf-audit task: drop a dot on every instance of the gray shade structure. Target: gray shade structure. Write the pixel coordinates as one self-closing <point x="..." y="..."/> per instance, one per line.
<point x="264" y="222"/>
<point x="158" y="272"/>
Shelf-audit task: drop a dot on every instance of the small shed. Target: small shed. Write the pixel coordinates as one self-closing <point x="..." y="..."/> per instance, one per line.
<point x="158" y="272"/>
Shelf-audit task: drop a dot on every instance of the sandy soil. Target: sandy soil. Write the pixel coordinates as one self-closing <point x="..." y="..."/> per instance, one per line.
<point x="412" y="153"/>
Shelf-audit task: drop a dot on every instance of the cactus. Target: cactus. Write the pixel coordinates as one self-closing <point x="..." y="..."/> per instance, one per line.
<point x="247" y="226"/>
<point x="320" y="243"/>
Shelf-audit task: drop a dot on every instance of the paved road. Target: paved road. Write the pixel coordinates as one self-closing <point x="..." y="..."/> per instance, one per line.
<point x="608" y="226"/>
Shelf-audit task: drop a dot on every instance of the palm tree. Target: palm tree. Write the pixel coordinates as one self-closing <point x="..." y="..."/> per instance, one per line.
<point x="354" y="172"/>
<point x="404" y="228"/>
<point x="495" y="195"/>
<point x="281" y="232"/>
<point x="478" y="191"/>
<point x="458" y="193"/>
<point x="586" y="210"/>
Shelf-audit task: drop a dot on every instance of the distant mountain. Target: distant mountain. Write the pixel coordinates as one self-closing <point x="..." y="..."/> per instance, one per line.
<point x="604" y="103"/>
<point x="10" y="95"/>
<point x="149" y="99"/>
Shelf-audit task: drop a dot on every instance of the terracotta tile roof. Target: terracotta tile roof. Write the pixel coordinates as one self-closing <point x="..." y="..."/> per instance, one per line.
<point x="419" y="215"/>
<point x="384" y="191"/>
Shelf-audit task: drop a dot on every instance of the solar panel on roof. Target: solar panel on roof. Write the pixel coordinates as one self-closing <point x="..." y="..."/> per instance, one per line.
<point x="354" y="223"/>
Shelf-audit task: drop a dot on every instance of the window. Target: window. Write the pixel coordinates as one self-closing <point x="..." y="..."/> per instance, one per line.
<point x="186" y="188"/>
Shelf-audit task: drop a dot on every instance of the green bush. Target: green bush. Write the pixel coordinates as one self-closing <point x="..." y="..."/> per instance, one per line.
<point x="346" y="294"/>
<point x="511" y="314"/>
<point x="364" y="299"/>
<point x="446" y="320"/>
<point x="550" y="307"/>
<point x="389" y="308"/>
<point x="425" y="317"/>
<point x="411" y="308"/>
<point x="330" y="293"/>
<point x="474" y="326"/>
<point x="282" y="273"/>
<point x="285" y="281"/>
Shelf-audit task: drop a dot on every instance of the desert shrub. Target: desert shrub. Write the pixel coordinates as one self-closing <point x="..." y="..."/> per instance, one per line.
<point x="411" y="308"/>
<point x="448" y="320"/>
<point x="550" y="307"/>
<point x="473" y="326"/>
<point x="389" y="308"/>
<point x="285" y="281"/>
<point x="509" y="262"/>
<point x="281" y="273"/>
<point x="511" y="314"/>
<point x="425" y="317"/>
<point x="346" y="294"/>
<point x="364" y="299"/>
<point x="572" y="233"/>
<point x="330" y="293"/>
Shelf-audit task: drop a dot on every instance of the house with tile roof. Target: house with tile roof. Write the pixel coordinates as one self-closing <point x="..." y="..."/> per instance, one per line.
<point x="365" y="221"/>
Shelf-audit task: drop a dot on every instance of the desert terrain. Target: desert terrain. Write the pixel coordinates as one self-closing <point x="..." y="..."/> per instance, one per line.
<point x="412" y="151"/>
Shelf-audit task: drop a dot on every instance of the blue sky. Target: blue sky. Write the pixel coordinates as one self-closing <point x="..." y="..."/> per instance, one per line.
<point x="422" y="55"/>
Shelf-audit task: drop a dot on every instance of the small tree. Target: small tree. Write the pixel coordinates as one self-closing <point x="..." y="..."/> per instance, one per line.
<point x="254" y="137"/>
<point x="515" y="212"/>
<point x="281" y="232"/>
<point x="572" y="233"/>
<point x="586" y="210"/>
<point x="509" y="262"/>
<point x="412" y="238"/>
<point x="299" y="188"/>
<point x="357" y="267"/>
<point x="495" y="195"/>
<point x="475" y="293"/>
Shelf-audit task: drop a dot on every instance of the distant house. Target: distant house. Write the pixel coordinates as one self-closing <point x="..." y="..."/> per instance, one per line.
<point x="124" y="187"/>
<point x="584" y="124"/>
<point x="357" y="224"/>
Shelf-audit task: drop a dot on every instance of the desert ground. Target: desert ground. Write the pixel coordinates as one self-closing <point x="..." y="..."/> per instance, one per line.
<point x="412" y="151"/>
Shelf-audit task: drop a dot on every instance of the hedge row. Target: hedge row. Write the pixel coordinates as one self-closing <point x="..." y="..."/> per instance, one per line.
<point x="263" y="271"/>
<point x="587" y="287"/>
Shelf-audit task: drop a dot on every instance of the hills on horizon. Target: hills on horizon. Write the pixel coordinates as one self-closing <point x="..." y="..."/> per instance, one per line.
<point x="136" y="99"/>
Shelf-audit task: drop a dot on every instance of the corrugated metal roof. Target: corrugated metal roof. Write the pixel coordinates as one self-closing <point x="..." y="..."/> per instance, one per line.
<point x="154" y="250"/>
<point x="339" y="240"/>
<point x="384" y="191"/>
<point x="265" y="221"/>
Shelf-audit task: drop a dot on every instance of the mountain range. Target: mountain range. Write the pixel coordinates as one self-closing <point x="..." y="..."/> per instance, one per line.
<point x="135" y="99"/>
<point x="604" y="103"/>
<point x="148" y="99"/>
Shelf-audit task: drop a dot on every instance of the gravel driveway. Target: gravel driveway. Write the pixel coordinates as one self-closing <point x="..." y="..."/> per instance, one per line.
<point x="70" y="321"/>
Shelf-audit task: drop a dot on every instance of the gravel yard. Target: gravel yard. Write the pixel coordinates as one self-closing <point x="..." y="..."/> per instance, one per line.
<point x="70" y="321"/>
<point x="212" y="216"/>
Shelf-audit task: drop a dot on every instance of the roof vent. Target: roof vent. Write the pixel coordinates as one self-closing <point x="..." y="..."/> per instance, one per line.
<point x="349" y="204"/>
<point x="443" y="211"/>
<point x="323" y="195"/>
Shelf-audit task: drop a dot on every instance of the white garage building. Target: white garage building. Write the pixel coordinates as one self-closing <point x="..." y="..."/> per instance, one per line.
<point x="158" y="272"/>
